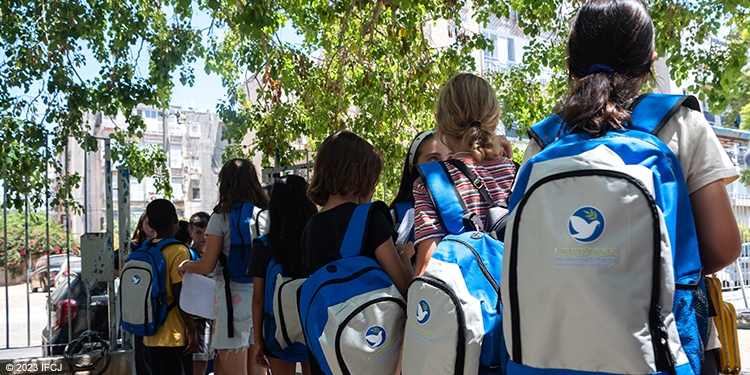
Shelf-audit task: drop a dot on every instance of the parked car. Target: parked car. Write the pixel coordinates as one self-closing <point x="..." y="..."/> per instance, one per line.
<point x="41" y="277"/>
<point x="69" y="300"/>
<point x="75" y="266"/>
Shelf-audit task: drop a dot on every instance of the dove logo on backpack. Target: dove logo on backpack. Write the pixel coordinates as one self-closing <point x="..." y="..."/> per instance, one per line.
<point x="586" y="224"/>
<point x="423" y="312"/>
<point x="375" y="336"/>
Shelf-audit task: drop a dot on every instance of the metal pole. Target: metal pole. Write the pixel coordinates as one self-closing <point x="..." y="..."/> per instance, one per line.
<point x="165" y="124"/>
<point x="85" y="192"/>
<point x="46" y="203"/>
<point x="5" y="247"/>
<point x="28" y="265"/>
<point x="123" y="215"/>
<point x="110" y="241"/>
<point x="67" y="228"/>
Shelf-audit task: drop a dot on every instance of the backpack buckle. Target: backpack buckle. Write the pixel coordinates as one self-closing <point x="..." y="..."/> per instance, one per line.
<point x="478" y="183"/>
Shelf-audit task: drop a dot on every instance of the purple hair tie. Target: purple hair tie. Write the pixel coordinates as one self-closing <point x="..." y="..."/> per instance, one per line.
<point x="596" y="68"/>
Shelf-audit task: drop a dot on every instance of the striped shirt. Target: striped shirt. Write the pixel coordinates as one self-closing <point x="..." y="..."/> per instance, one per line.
<point x="497" y="176"/>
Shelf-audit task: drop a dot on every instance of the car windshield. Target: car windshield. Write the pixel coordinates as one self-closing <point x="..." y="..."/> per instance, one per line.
<point x="56" y="261"/>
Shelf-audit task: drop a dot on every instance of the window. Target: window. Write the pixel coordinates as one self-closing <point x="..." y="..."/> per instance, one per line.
<point x="196" y="193"/>
<point x="175" y="156"/>
<point x="195" y="130"/>
<point x="504" y="47"/>
<point x="177" y="190"/>
<point x="195" y="162"/>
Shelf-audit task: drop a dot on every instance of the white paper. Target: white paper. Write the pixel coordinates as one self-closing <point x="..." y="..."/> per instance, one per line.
<point x="197" y="295"/>
<point x="404" y="230"/>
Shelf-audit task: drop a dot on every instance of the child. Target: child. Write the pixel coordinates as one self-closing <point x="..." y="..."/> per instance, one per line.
<point x="290" y="209"/>
<point x="605" y="79"/>
<point x="203" y="353"/>
<point x="346" y="172"/>
<point x="467" y="115"/>
<point x="171" y="348"/>
<point x="238" y="183"/>
<point x="423" y="149"/>
<point x="611" y="52"/>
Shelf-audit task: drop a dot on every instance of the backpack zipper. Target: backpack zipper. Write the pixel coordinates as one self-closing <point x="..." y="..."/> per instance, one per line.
<point x="484" y="270"/>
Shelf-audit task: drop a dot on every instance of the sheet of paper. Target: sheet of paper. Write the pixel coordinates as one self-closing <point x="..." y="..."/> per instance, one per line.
<point x="404" y="230"/>
<point x="197" y="296"/>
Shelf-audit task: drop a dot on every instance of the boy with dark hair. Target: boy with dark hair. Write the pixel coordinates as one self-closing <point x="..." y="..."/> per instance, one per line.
<point x="172" y="346"/>
<point x="203" y="352"/>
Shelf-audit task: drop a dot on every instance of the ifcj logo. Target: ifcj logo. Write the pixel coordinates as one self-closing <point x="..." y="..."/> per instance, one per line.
<point x="586" y="224"/>
<point x="423" y="312"/>
<point x="375" y="336"/>
<point x="136" y="279"/>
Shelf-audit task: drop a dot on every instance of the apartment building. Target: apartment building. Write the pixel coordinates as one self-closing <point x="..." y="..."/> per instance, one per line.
<point x="194" y="158"/>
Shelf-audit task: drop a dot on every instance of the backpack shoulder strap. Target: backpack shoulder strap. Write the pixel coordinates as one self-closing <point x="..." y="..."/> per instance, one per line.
<point x="444" y="196"/>
<point x="164" y="242"/>
<point x="476" y="181"/>
<point x="401" y="209"/>
<point x="651" y="112"/>
<point x="546" y="131"/>
<point x="354" y="238"/>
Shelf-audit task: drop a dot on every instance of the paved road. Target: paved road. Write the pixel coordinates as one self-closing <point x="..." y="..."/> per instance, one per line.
<point x="26" y="317"/>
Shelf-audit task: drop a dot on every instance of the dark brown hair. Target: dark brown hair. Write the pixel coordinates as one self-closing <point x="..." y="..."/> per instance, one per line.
<point x="616" y="34"/>
<point x="345" y="164"/>
<point x="289" y="211"/>
<point x="238" y="183"/>
<point x="406" y="188"/>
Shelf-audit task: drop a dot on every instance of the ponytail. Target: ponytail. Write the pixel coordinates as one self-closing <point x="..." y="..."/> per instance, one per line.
<point x="610" y="53"/>
<point x="599" y="103"/>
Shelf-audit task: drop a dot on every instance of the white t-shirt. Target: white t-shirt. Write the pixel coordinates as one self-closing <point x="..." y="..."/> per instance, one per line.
<point x="696" y="146"/>
<point x="218" y="225"/>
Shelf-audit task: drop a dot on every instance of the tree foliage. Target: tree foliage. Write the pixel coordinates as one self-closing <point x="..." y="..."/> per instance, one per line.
<point x="369" y="66"/>
<point x="22" y="247"/>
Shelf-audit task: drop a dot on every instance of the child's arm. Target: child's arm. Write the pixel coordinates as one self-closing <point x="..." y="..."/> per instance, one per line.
<point x="192" y="336"/>
<point x="424" y="253"/>
<point x="718" y="237"/>
<point x="206" y="264"/>
<point x="396" y="263"/>
<point x="259" y="285"/>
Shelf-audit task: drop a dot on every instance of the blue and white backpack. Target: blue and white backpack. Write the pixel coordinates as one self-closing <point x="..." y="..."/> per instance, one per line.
<point x="143" y="289"/>
<point x="602" y="271"/>
<point x="352" y="314"/>
<point x="243" y="218"/>
<point x="454" y="310"/>
<point x="288" y="351"/>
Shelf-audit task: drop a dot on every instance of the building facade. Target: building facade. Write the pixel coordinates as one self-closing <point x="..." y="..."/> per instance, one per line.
<point x="194" y="159"/>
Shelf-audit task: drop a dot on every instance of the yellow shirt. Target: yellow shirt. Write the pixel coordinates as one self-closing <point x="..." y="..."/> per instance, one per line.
<point x="174" y="331"/>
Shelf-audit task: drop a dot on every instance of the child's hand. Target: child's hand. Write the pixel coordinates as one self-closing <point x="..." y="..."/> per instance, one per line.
<point x="405" y="249"/>
<point x="181" y="268"/>
<point x="258" y="356"/>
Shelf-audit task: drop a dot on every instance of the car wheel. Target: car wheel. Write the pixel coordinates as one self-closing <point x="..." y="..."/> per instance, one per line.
<point x="33" y="290"/>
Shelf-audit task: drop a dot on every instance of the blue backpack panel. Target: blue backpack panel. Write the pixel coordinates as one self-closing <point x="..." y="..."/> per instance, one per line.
<point x="143" y="289"/>
<point x="454" y="311"/>
<point x="602" y="271"/>
<point x="290" y="351"/>
<point x="352" y="315"/>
